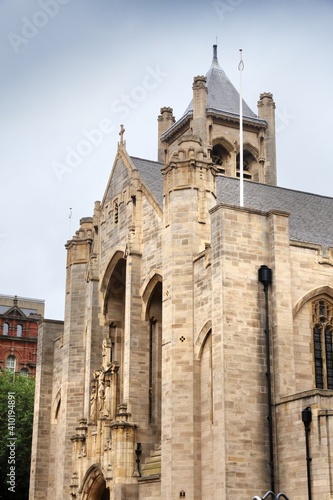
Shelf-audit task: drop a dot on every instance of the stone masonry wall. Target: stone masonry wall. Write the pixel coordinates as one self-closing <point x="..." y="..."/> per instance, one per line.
<point x="239" y="247"/>
<point x="73" y="368"/>
<point x="49" y="331"/>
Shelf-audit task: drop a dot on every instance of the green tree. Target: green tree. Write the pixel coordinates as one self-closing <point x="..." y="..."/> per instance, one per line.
<point x="16" y="416"/>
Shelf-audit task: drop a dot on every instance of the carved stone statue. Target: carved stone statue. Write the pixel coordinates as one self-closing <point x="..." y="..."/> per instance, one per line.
<point x="101" y="391"/>
<point x="106" y="353"/>
<point x="93" y="397"/>
<point x="107" y="399"/>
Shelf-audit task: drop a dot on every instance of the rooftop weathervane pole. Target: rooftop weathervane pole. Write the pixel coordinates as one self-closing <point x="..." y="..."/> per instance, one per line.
<point x="70" y="223"/>
<point x="241" y="186"/>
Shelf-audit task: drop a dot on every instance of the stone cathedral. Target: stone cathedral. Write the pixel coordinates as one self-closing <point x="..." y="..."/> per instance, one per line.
<point x="196" y="356"/>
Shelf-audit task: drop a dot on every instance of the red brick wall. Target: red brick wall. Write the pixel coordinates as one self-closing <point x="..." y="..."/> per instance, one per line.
<point x="24" y="348"/>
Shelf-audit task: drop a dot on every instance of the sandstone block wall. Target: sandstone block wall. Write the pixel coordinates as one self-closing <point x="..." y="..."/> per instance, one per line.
<point x="239" y="247"/>
<point x="49" y="340"/>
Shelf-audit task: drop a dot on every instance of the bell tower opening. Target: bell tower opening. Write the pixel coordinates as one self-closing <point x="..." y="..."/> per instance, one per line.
<point x="219" y="156"/>
<point x="249" y="162"/>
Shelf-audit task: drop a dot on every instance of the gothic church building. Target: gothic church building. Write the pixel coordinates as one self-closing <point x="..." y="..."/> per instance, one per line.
<point x="196" y="357"/>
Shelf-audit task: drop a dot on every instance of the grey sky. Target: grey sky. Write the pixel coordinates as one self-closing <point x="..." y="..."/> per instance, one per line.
<point x="70" y="67"/>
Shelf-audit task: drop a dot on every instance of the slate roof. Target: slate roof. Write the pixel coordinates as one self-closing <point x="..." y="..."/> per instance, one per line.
<point x="311" y="215"/>
<point x="150" y="173"/>
<point x="222" y="95"/>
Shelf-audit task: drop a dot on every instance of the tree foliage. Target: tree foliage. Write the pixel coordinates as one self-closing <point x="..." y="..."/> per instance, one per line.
<point x="16" y="416"/>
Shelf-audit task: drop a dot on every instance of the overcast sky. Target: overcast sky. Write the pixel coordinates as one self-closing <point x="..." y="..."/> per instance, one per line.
<point x="70" y="67"/>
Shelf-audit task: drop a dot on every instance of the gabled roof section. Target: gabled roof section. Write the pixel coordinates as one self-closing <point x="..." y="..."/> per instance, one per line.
<point x="15" y="312"/>
<point x="151" y="175"/>
<point x="146" y="172"/>
<point x="222" y="95"/>
<point x="310" y="219"/>
<point x="26" y="307"/>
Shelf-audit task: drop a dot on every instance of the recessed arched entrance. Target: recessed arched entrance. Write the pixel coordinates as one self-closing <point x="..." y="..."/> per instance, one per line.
<point x="106" y="494"/>
<point x="94" y="485"/>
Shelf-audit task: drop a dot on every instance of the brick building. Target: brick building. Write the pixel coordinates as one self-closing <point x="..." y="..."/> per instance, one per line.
<point x="196" y="330"/>
<point x="19" y="318"/>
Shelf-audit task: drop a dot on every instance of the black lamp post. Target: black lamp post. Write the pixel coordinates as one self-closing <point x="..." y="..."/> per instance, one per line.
<point x="307" y="419"/>
<point x="265" y="277"/>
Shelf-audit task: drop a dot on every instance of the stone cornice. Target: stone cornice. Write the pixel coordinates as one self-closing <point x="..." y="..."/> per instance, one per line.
<point x="312" y="393"/>
<point x="230" y="117"/>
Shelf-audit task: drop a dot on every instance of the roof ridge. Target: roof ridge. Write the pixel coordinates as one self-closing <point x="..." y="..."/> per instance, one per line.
<point x="277" y="187"/>
<point x="145" y="159"/>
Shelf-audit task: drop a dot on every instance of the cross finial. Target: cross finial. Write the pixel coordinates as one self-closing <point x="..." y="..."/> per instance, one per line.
<point x="121" y="133"/>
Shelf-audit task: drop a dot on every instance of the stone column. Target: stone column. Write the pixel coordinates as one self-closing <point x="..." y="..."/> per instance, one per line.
<point x="185" y="233"/>
<point x="165" y="120"/>
<point x="266" y="111"/>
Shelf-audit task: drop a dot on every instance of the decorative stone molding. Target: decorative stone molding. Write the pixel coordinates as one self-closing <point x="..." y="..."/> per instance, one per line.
<point x="103" y="394"/>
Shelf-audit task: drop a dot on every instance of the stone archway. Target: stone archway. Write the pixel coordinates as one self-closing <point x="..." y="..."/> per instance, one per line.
<point x="94" y="485"/>
<point x="99" y="491"/>
<point x="106" y="494"/>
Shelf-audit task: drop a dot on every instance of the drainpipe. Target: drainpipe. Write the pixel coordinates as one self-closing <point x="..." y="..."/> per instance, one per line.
<point x="307" y="419"/>
<point x="138" y="452"/>
<point x="265" y="277"/>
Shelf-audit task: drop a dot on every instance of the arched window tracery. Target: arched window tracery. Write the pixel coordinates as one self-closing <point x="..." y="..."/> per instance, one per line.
<point x="322" y="327"/>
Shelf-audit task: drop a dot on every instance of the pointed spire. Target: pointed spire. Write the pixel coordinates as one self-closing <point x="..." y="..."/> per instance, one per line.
<point x="215" y="54"/>
<point x="215" y="62"/>
<point x="222" y="95"/>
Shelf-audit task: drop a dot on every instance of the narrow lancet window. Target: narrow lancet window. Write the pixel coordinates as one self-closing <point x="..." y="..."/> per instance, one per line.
<point x="323" y="344"/>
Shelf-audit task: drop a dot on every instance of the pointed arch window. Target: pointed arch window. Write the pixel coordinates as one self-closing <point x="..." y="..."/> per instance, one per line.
<point x="155" y="356"/>
<point x="206" y="415"/>
<point x="322" y="313"/>
<point x="56" y="416"/>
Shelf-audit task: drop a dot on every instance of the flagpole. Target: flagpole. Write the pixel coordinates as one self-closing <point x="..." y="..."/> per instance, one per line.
<point x="241" y="167"/>
<point x="70" y="224"/>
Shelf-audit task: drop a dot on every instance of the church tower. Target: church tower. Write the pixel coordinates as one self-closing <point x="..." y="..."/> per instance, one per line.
<point x="201" y="145"/>
<point x="189" y="193"/>
<point x="213" y="115"/>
